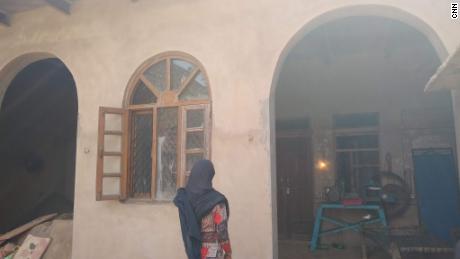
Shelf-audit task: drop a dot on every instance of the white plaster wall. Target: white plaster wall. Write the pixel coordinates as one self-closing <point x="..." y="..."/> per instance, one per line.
<point x="239" y="43"/>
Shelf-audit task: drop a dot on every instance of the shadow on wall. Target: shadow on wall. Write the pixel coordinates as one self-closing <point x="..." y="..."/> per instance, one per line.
<point x="38" y="122"/>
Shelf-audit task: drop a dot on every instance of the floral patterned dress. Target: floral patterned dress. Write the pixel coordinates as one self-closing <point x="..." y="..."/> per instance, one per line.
<point x="216" y="243"/>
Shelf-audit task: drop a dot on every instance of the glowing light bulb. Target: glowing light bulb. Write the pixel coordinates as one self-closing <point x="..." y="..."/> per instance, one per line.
<point x="322" y="165"/>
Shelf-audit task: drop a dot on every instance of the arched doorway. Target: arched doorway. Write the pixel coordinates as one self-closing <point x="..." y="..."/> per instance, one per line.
<point x="38" y="126"/>
<point x="349" y="102"/>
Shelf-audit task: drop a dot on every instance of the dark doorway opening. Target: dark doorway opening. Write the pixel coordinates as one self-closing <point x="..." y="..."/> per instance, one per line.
<point x="294" y="179"/>
<point x="360" y="82"/>
<point x="38" y="127"/>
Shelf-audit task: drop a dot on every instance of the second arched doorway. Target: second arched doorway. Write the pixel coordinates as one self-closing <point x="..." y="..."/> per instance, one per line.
<point x="38" y="125"/>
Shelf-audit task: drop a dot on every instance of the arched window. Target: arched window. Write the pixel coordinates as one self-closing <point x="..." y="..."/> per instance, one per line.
<point x="161" y="131"/>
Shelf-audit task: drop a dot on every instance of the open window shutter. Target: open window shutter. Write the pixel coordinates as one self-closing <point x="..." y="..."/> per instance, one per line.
<point x="111" y="177"/>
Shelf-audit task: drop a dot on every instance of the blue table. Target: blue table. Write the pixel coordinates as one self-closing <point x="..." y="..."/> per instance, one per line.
<point x="342" y="225"/>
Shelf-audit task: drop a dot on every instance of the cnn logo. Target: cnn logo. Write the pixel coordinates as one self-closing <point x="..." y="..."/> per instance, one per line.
<point x="454" y="11"/>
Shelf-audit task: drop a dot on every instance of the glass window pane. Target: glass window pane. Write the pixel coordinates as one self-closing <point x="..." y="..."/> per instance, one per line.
<point x="195" y="140"/>
<point x="141" y="154"/>
<point x="167" y="153"/>
<point x="180" y="71"/>
<point x="344" y="170"/>
<point x="191" y="159"/>
<point x="142" y="95"/>
<point x="113" y="122"/>
<point x="366" y="158"/>
<point x="156" y="74"/>
<point x="111" y="164"/>
<point x="110" y="186"/>
<point x="112" y="143"/>
<point x="195" y="118"/>
<point x="354" y="142"/>
<point x="197" y="89"/>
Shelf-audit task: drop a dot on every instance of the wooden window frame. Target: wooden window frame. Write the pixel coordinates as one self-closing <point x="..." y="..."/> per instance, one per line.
<point x="357" y="130"/>
<point x="101" y="153"/>
<point x="166" y="98"/>
<point x="352" y="151"/>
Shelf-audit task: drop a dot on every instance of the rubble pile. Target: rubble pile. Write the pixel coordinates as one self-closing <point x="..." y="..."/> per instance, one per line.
<point x="46" y="237"/>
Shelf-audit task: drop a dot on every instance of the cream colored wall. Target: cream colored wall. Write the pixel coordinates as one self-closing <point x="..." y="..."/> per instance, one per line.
<point x="239" y="43"/>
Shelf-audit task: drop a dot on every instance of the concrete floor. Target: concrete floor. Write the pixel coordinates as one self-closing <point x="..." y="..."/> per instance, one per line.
<point x="293" y="249"/>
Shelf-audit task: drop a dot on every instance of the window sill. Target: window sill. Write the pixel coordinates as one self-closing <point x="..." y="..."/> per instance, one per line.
<point x="146" y="201"/>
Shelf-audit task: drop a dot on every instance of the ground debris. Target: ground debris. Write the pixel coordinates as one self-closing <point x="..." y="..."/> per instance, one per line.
<point x="49" y="239"/>
<point x="17" y="231"/>
<point x="7" y="250"/>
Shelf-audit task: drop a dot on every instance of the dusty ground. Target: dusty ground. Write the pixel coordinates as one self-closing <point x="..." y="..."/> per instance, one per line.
<point x="293" y="249"/>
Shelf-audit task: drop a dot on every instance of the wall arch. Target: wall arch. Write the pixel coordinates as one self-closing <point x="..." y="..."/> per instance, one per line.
<point x="384" y="11"/>
<point x="14" y="66"/>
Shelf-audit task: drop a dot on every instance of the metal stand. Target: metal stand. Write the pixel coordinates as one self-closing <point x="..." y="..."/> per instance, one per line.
<point x="342" y="225"/>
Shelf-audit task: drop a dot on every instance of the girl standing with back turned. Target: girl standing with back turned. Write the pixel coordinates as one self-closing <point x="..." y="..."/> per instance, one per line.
<point x="203" y="214"/>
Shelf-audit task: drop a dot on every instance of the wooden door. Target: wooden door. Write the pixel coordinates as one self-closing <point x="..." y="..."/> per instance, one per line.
<point x="295" y="194"/>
